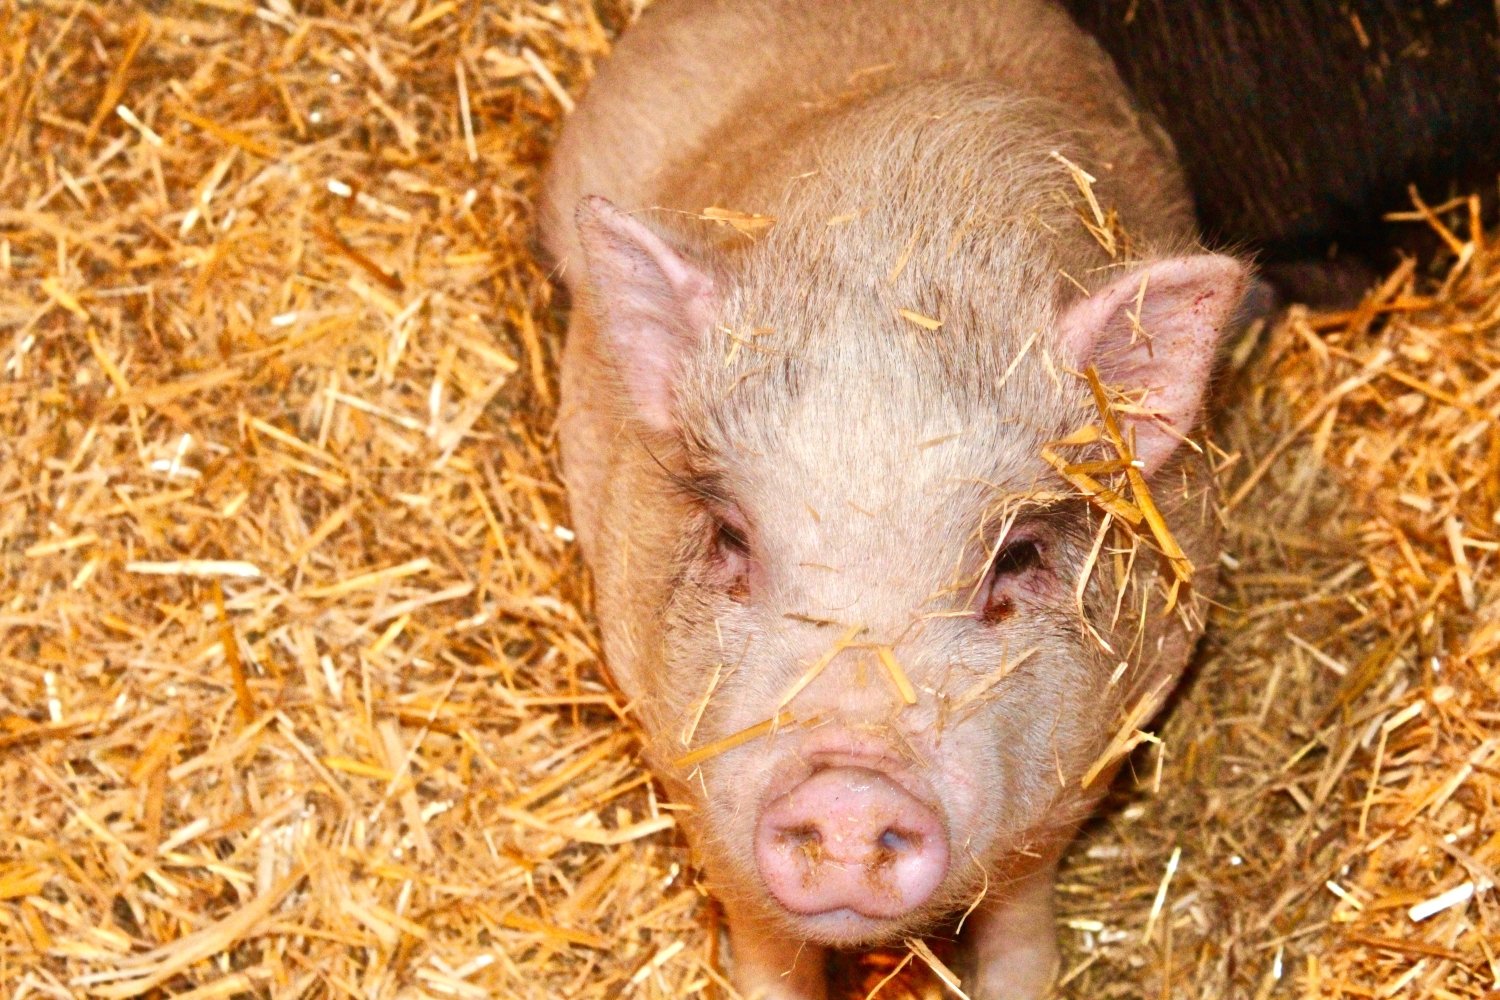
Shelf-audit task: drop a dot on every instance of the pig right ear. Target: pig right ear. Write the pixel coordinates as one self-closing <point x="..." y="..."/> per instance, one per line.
<point x="1155" y="331"/>
<point x="652" y="303"/>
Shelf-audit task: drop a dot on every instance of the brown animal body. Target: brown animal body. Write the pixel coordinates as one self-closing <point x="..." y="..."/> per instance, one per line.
<point x="804" y="452"/>
<point x="1300" y="125"/>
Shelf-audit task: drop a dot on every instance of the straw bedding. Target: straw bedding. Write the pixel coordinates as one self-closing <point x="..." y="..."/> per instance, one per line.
<point x="298" y="691"/>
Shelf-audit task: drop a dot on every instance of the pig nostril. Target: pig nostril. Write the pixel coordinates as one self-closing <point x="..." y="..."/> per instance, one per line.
<point x="804" y="837"/>
<point x="895" y="841"/>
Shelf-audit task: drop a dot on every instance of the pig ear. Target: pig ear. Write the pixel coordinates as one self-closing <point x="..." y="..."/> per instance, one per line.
<point x="1155" y="331"/>
<point x="652" y="303"/>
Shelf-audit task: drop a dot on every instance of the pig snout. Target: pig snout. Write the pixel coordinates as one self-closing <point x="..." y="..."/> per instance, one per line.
<point x="853" y="839"/>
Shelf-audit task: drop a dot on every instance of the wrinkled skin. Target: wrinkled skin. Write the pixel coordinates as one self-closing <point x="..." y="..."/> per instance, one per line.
<point x="790" y="493"/>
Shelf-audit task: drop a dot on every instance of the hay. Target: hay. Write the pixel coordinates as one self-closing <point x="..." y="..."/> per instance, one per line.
<point x="298" y="695"/>
<point x="1326" y="790"/>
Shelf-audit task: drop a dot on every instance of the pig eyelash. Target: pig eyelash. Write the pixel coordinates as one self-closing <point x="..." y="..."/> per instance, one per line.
<point x="729" y="534"/>
<point x="726" y="531"/>
<point x="704" y="488"/>
<point x="709" y="494"/>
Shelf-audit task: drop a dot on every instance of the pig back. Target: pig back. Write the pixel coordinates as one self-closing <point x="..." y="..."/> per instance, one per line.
<point x="697" y="90"/>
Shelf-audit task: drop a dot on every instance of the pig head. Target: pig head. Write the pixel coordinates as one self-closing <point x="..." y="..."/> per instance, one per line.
<point x="875" y="639"/>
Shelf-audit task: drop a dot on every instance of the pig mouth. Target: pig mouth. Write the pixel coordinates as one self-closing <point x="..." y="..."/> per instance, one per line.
<point x="848" y="929"/>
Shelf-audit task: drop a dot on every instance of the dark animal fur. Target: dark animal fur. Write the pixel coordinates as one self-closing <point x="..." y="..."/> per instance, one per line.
<point x="1300" y="123"/>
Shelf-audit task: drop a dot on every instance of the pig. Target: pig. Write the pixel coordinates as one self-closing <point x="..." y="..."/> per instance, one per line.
<point x="849" y="281"/>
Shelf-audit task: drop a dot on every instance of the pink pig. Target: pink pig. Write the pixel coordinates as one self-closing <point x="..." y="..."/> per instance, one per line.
<point x="804" y="449"/>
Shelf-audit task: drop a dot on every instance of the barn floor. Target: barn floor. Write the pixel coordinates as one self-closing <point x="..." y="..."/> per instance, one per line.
<point x="299" y="695"/>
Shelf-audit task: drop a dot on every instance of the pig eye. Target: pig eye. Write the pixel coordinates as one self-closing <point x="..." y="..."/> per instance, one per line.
<point x="731" y="555"/>
<point x="730" y="540"/>
<point x="1011" y="564"/>
<point x="1015" y="558"/>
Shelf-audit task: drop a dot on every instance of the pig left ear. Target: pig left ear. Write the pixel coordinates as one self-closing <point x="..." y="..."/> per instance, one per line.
<point x="653" y="305"/>
<point x="1155" y="331"/>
